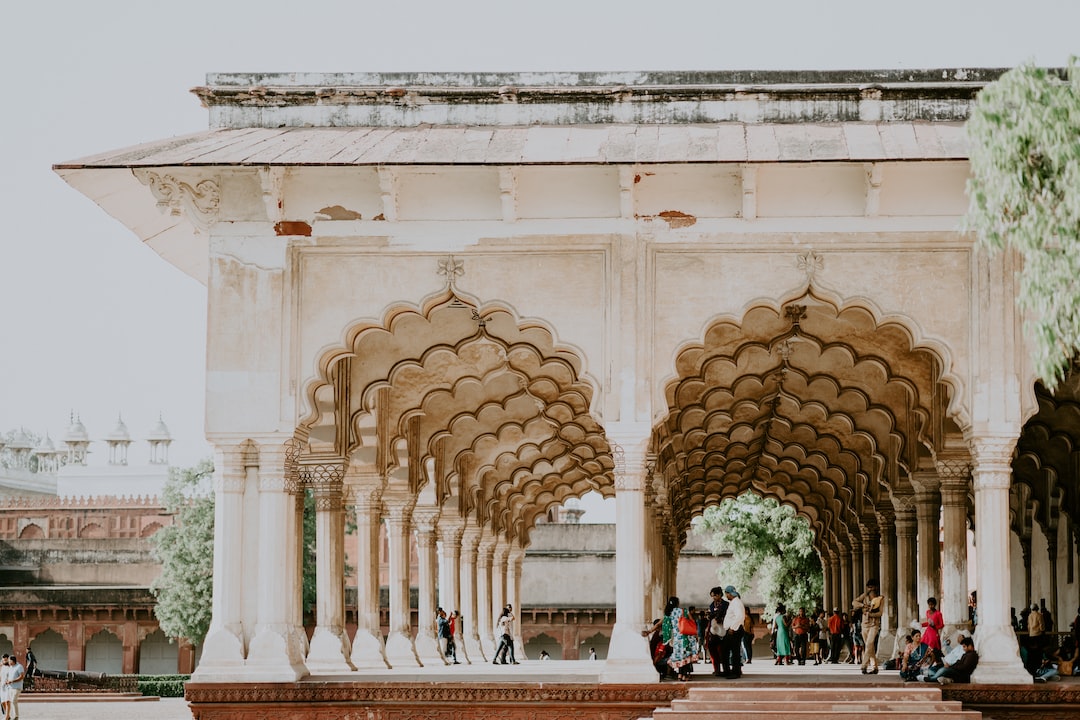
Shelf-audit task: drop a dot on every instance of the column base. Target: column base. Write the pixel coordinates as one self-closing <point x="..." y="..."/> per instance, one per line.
<point x="427" y="649"/>
<point x="275" y="655"/>
<point x="368" y="652"/>
<point x="999" y="657"/>
<point x="474" y="653"/>
<point x="400" y="652"/>
<point x="628" y="658"/>
<point x="329" y="651"/>
<point x="519" y="648"/>
<point x="223" y="651"/>
<point x="488" y="647"/>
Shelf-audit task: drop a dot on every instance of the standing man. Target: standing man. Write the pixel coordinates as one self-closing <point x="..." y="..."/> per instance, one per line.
<point x="443" y="632"/>
<point x="871" y="602"/>
<point x="451" y="645"/>
<point x="836" y="635"/>
<point x="510" y="632"/>
<point x="5" y="673"/>
<point x="800" y="628"/>
<point x="15" y="686"/>
<point x="733" y="624"/>
<point x="714" y="640"/>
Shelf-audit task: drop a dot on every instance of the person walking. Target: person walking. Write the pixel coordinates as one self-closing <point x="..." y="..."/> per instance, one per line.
<point x="14" y="686"/>
<point x="800" y="630"/>
<point x="836" y="635"/>
<point x="783" y="639"/>
<point x="502" y="630"/>
<point x="933" y="624"/>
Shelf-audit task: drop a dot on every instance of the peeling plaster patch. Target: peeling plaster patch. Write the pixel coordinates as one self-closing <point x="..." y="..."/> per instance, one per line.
<point x="676" y="219"/>
<point x="380" y="216"/>
<point x="337" y="212"/>
<point x="292" y="227"/>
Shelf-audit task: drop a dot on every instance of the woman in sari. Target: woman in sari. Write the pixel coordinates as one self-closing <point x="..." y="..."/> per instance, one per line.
<point x="914" y="658"/>
<point x="783" y="636"/>
<point x="934" y="623"/>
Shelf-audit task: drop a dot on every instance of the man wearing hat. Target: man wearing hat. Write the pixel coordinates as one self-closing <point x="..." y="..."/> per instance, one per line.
<point x="871" y="603"/>
<point x="733" y="623"/>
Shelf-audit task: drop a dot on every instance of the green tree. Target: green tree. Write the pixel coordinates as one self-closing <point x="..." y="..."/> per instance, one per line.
<point x="770" y="545"/>
<point x="184" y="590"/>
<point x="1024" y="191"/>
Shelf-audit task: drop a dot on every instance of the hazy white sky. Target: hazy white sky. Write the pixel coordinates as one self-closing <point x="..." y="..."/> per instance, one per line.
<point x="96" y="323"/>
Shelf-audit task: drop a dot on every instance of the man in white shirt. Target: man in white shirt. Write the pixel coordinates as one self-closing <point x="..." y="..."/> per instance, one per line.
<point x="14" y="684"/>
<point x="733" y="624"/>
<point x="5" y="692"/>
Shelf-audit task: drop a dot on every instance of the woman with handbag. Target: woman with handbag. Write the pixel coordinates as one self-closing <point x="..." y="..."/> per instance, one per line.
<point x="679" y="632"/>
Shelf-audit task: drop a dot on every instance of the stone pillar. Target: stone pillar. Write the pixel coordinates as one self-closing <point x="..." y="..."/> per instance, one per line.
<point x="470" y="542"/>
<point x="484" y="610"/>
<point x="224" y="646"/>
<point x="871" y="555"/>
<point x="365" y="493"/>
<point x="955" y="474"/>
<point x="400" y="651"/>
<point x="628" y="658"/>
<point x="928" y="517"/>
<point x="427" y="642"/>
<point x="834" y="580"/>
<point x="329" y="650"/>
<point x="826" y="583"/>
<point x="845" y="580"/>
<point x="449" y="535"/>
<point x="498" y="579"/>
<point x="999" y="656"/>
<point x="891" y="638"/>
<point x="907" y="603"/>
<point x="858" y="580"/>
<point x="276" y="653"/>
<point x="514" y="562"/>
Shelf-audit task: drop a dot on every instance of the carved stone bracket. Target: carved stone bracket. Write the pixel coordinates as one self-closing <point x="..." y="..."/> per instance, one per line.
<point x="200" y="202"/>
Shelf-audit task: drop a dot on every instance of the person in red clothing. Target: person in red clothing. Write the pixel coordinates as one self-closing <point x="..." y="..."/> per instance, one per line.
<point x="836" y="635"/>
<point x="800" y="628"/>
<point x="934" y="623"/>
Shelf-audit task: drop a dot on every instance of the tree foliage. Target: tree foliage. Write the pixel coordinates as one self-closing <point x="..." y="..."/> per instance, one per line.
<point x="1024" y="192"/>
<point x="771" y="546"/>
<point x="184" y="590"/>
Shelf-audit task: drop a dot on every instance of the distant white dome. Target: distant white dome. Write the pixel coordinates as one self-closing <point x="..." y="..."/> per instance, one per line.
<point x="120" y="432"/>
<point x="160" y="432"/>
<point x="46" y="446"/>
<point x="21" y="441"/>
<point x="76" y="432"/>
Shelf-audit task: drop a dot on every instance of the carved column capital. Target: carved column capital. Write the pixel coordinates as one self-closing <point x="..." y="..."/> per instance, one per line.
<point x="992" y="453"/>
<point x="424" y="520"/>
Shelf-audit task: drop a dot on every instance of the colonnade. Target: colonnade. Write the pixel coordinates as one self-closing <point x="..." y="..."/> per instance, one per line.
<point x="257" y="628"/>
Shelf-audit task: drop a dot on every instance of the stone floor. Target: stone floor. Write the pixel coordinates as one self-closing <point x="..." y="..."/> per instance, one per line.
<point x="549" y="671"/>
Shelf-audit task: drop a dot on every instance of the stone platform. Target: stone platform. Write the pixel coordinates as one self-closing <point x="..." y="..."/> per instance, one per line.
<point x="570" y="689"/>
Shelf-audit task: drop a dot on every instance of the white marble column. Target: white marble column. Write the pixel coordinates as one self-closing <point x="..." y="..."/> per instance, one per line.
<point x="275" y="654"/>
<point x="955" y="476"/>
<point x="484" y="609"/>
<point x="426" y="641"/>
<point x="224" y="647"/>
<point x="365" y="492"/>
<point x="628" y="658"/>
<point x="470" y="542"/>
<point x="928" y="517"/>
<point x="891" y="639"/>
<point x="400" y="651"/>
<point x="834" y="580"/>
<point x="907" y="603"/>
<point x="858" y="580"/>
<point x="449" y="537"/>
<point x="826" y="583"/>
<point x="498" y="577"/>
<point x="330" y="650"/>
<point x="514" y="562"/>
<point x="999" y="656"/>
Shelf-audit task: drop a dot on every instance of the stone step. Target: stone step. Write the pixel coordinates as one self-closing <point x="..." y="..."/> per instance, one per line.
<point x="791" y="693"/>
<point x="826" y="706"/>
<point x="84" y="697"/>
<point x="793" y="712"/>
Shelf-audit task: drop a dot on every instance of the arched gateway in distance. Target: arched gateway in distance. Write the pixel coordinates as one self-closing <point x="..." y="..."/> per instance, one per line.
<point x="452" y="301"/>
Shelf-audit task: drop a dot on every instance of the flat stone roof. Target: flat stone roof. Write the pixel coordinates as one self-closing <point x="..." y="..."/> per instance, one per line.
<point x="271" y="100"/>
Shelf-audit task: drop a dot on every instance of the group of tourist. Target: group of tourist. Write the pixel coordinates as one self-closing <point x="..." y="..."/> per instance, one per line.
<point x="722" y="633"/>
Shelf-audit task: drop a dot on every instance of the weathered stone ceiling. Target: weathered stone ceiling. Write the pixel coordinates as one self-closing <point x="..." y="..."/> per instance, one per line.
<point x="1047" y="460"/>
<point x="822" y="408"/>
<point x="497" y="408"/>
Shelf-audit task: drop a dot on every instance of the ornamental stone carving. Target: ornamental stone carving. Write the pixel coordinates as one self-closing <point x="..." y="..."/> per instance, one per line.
<point x="199" y="203"/>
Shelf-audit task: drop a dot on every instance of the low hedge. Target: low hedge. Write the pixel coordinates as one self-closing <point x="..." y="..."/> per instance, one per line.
<point x="163" y="685"/>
